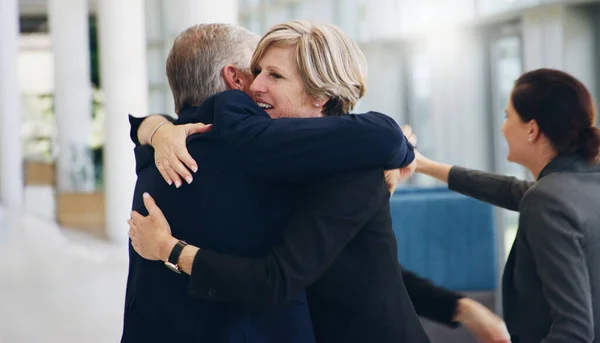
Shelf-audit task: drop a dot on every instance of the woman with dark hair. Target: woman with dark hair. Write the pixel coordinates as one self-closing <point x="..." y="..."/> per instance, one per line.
<point x="551" y="283"/>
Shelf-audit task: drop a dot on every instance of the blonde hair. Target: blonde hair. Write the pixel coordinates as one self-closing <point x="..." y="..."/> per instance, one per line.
<point x="330" y="63"/>
<point x="199" y="54"/>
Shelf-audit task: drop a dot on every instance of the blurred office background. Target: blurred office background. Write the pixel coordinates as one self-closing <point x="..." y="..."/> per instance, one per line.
<point x="71" y="71"/>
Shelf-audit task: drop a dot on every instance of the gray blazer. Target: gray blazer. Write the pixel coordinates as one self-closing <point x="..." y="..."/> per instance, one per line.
<point x="551" y="283"/>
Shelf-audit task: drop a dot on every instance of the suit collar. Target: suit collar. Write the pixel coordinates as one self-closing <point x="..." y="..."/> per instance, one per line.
<point x="187" y="112"/>
<point x="568" y="162"/>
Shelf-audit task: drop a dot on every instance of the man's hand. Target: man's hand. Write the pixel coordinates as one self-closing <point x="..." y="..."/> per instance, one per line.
<point x="408" y="171"/>
<point x="170" y="152"/>
<point x="394" y="176"/>
<point x="410" y="135"/>
<point x="482" y="323"/>
<point x="151" y="235"/>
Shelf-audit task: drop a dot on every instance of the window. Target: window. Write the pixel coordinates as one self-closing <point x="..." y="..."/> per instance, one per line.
<point x="506" y="67"/>
<point x="418" y="100"/>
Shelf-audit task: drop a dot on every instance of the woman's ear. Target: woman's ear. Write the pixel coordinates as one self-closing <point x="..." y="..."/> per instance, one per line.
<point x="534" y="132"/>
<point x="320" y="102"/>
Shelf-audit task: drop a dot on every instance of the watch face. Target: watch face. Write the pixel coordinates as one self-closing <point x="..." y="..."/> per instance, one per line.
<point x="173" y="267"/>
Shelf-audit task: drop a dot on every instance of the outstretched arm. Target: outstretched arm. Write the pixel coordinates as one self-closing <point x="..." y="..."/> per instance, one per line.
<point x="499" y="190"/>
<point x="449" y="308"/>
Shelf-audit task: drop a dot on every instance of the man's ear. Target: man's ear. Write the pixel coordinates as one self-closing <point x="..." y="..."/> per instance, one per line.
<point x="233" y="77"/>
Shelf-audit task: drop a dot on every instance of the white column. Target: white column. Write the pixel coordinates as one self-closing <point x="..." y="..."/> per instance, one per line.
<point x="72" y="93"/>
<point x="11" y="156"/>
<point x="124" y="81"/>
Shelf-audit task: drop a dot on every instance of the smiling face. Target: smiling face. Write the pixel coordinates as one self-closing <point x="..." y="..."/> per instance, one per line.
<point x="278" y="86"/>
<point x="518" y="135"/>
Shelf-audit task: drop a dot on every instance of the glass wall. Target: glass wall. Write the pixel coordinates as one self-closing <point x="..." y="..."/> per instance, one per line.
<point x="418" y="100"/>
<point x="505" y="66"/>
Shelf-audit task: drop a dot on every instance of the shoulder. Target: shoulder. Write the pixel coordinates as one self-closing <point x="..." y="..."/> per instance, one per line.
<point x="548" y="206"/>
<point x="555" y="191"/>
<point x="230" y="102"/>
<point x="376" y="115"/>
<point x="236" y="100"/>
<point x="228" y="109"/>
<point x="231" y="95"/>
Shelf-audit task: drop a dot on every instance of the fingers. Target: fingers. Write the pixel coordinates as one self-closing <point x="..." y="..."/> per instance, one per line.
<point x="136" y="217"/>
<point x="406" y="130"/>
<point x="172" y="156"/>
<point x="132" y="231"/>
<point x="163" y="173"/>
<point x="409" y="134"/>
<point x="413" y="140"/>
<point x="197" y="128"/>
<point x="184" y="156"/>
<point x="151" y="205"/>
<point x="167" y="172"/>
<point x="391" y="179"/>
<point x="179" y="169"/>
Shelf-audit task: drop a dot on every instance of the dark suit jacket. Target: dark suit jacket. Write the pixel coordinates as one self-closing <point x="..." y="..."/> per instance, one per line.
<point x="241" y="197"/>
<point x="341" y="241"/>
<point x="551" y="283"/>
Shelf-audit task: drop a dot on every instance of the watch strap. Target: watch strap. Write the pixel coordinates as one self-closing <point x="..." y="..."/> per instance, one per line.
<point x="174" y="256"/>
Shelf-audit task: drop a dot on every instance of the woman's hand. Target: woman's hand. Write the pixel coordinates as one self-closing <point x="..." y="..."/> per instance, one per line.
<point x="170" y="152"/>
<point x="151" y="235"/>
<point x="482" y="323"/>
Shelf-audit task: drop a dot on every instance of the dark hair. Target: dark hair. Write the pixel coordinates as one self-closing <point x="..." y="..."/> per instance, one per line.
<point x="562" y="107"/>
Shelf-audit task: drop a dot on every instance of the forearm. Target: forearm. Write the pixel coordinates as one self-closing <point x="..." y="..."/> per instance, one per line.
<point x="430" y="301"/>
<point x="186" y="259"/>
<point x="324" y="146"/>
<point x="253" y="282"/>
<point x="495" y="189"/>
<point x="332" y="214"/>
<point x="148" y="126"/>
<point x="311" y="244"/>
<point x="437" y="170"/>
<point x="498" y="190"/>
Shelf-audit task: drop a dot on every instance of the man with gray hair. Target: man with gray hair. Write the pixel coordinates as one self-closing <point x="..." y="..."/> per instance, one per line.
<point x="205" y="60"/>
<point x="201" y="55"/>
<point x="243" y="194"/>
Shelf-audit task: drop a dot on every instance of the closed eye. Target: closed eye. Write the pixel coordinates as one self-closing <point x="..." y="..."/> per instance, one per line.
<point x="276" y="76"/>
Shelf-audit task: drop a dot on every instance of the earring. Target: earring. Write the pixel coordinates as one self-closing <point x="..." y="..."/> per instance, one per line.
<point x="317" y="105"/>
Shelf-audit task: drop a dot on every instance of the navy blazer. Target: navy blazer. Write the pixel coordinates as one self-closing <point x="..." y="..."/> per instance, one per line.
<point x="241" y="198"/>
<point x="341" y="248"/>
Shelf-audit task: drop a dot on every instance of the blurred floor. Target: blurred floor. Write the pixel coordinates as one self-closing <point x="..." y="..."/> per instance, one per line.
<point x="58" y="286"/>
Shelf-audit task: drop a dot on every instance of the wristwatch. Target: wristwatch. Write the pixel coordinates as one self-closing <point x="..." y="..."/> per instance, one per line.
<point x="171" y="263"/>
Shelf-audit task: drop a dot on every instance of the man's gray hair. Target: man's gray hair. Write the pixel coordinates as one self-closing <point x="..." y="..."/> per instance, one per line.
<point x="199" y="54"/>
